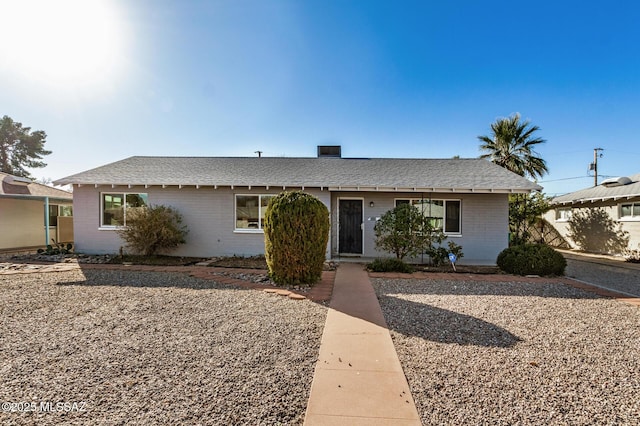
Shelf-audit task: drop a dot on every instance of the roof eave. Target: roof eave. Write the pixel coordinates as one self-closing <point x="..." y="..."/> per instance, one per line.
<point x="595" y="199"/>
<point x="338" y="188"/>
<point x="37" y="197"/>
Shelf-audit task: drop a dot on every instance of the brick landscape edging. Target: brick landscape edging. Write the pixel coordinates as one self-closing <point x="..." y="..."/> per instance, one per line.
<point x="320" y="292"/>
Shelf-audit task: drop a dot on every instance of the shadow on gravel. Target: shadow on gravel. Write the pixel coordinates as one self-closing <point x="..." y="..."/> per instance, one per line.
<point x="546" y="289"/>
<point x="419" y="320"/>
<point x="140" y="279"/>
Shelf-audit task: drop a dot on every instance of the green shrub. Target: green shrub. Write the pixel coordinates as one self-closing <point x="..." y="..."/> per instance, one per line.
<point x="531" y="259"/>
<point x="632" y="256"/>
<point x="153" y="229"/>
<point x="296" y="233"/>
<point x="405" y="231"/>
<point x="439" y="255"/>
<point x="56" y="248"/>
<point x="389" y="265"/>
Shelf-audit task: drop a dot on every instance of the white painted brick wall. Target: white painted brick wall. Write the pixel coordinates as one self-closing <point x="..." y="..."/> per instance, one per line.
<point x="208" y="213"/>
<point x="485" y="222"/>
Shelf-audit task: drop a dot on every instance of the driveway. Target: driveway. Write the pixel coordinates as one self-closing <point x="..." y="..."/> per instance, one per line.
<point x="603" y="271"/>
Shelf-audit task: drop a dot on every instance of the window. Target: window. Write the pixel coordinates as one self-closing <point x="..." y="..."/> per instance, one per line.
<point x="55" y="211"/>
<point x="116" y="205"/>
<point x="53" y="215"/>
<point x="443" y="214"/>
<point x="66" y="211"/>
<point x="250" y="210"/>
<point x="630" y="210"/>
<point x="563" y="214"/>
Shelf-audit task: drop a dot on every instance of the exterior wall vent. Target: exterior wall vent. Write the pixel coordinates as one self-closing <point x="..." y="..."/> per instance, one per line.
<point x="616" y="181"/>
<point x="329" y="151"/>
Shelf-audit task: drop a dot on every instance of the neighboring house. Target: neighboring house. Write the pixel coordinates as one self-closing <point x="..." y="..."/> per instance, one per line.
<point x="619" y="197"/>
<point x="31" y="214"/>
<point x="223" y="200"/>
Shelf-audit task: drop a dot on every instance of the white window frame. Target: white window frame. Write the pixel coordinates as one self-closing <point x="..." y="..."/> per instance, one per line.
<point x="560" y="217"/>
<point x="632" y="218"/>
<point x="444" y="211"/>
<point x="102" y="226"/>
<point x="259" y="229"/>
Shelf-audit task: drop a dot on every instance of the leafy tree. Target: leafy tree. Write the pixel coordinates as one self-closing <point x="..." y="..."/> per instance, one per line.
<point x="525" y="212"/>
<point x="153" y="229"/>
<point x="593" y="230"/>
<point x="511" y="146"/>
<point x="20" y="148"/>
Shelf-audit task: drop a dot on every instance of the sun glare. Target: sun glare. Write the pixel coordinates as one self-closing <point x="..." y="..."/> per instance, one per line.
<point x="61" y="44"/>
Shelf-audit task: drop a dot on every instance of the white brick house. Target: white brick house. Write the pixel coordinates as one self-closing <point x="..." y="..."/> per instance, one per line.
<point x="222" y="199"/>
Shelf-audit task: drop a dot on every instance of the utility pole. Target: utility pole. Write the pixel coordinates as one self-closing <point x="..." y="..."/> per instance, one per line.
<point x="259" y="153"/>
<point x="594" y="165"/>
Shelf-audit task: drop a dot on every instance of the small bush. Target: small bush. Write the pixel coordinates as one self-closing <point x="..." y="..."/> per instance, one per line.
<point x="440" y="255"/>
<point x="632" y="256"/>
<point x="153" y="229"/>
<point x="56" y="248"/>
<point x="531" y="259"/>
<point x="296" y="233"/>
<point x="404" y="231"/>
<point x="389" y="265"/>
<point x="455" y="249"/>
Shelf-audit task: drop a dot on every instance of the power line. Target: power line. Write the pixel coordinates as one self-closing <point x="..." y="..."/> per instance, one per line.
<point x="623" y="152"/>
<point x="564" y="152"/>
<point x="571" y="178"/>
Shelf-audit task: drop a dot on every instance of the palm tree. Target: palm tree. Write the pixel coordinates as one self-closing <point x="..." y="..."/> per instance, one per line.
<point x="511" y="146"/>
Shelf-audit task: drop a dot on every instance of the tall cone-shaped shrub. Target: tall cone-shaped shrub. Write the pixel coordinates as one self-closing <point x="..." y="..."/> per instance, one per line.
<point x="296" y="232"/>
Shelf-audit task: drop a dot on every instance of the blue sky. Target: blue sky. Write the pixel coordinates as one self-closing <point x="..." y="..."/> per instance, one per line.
<point x="382" y="79"/>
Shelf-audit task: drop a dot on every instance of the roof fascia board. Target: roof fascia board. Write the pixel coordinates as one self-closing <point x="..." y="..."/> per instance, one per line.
<point x="341" y="188"/>
<point x="36" y="197"/>
<point x="438" y="190"/>
<point x="595" y="199"/>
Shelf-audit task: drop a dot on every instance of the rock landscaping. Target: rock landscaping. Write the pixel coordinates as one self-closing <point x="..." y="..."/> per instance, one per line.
<point x="153" y="348"/>
<point x="129" y="345"/>
<point x="524" y="353"/>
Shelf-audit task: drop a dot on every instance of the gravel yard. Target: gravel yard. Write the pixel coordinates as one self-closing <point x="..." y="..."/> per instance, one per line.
<point x="514" y="353"/>
<point x="152" y="348"/>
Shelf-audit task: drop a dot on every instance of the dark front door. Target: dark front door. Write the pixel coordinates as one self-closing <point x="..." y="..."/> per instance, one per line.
<point x="350" y="229"/>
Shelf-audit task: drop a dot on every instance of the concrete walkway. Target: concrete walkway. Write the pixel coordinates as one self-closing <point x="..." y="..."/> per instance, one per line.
<point x="358" y="378"/>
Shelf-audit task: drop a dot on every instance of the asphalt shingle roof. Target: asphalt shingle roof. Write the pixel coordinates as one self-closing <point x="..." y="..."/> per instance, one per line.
<point x="334" y="173"/>
<point x="33" y="189"/>
<point x="601" y="193"/>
